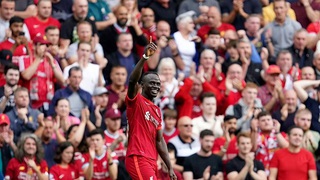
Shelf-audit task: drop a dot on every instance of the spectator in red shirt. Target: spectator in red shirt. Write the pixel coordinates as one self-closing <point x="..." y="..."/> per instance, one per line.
<point x="65" y="169"/>
<point x="170" y="122"/>
<point x="288" y="164"/>
<point x="231" y="87"/>
<point x="188" y="97"/>
<point x="37" y="24"/>
<point x="98" y="163"/>
<point x="144" y="119"/>
<point x="267" y="138"/>
<point x="148" y="27"/>
<point x="214" y="22"/>
<point x="39" y="72"/>
<point x="28" y="162"/>
<point x="18" y="42"/>
<point x="271" y="94"/>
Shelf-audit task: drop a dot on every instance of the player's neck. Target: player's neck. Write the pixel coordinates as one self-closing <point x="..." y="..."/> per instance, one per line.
<point x="100" y="152"/>
<point x="146" y="96"/>
<point x="294" y="149"/>
<point x="204" y="154"/>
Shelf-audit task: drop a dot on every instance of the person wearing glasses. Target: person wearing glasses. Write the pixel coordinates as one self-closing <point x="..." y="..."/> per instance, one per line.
<point x="184" y="144"/>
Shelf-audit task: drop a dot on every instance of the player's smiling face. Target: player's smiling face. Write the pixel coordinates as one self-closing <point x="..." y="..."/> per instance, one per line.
<point x="151" y="86"/>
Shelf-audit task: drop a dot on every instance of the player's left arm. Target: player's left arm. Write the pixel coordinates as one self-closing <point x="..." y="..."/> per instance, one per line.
<point x="163" y="152"/>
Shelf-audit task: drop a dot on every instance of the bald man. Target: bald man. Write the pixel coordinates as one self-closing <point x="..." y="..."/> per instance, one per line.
<point x="214" y="21"/>
<point x="286" y="114"/>
<point x="231" y="87"/>
<point x="184" y="144"/>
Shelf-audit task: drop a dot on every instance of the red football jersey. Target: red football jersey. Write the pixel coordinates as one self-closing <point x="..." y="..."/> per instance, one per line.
<point x="37" y="27"/>
<point x="20" y="171"/>
<point x="100" y="166"/>
<point x="167" y="137"/>
<point x="21" y="50"/>
<point x="144" y="120"/>
<point x="120" y="151"/>
<point x="57" y="172"/>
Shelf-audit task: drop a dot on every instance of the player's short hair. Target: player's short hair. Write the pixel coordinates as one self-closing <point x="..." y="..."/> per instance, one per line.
<point x="83" y="42"/>
<point x="282" y="52"/>
<point x="251" y="85"/>
<point x="20" y="89"/>
<point x="10" y="66"/>
<point x="206" y="95"/>
<point x="243" y="134"/>
<point x="231" y="44"/>
<point x="228" y="118"/>
<point x="294" y="127"/>
<point x="213" y="31"/>
<point x="169" y="113"/>
<point x="302" y="111"/>
<point x="122" y="34"/>
<point x="49" y="28"/>
<point x="206" y="132"/>
<point x="84" y="22"/>
<point x="74" y="68"/>
<point x="262" y="114"/>
<point x="96" y="132"/>
<point x="16" y="19"/>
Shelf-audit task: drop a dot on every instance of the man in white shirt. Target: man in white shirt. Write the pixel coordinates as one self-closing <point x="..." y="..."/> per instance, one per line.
<point x="92" y="75"/>
<point x="6" y="13"/>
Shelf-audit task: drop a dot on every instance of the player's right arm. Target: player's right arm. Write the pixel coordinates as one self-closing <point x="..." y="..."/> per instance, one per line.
<point x="137" y="71"/>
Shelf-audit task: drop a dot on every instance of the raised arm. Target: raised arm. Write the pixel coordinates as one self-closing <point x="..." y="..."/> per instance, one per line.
<point x="137" y="71"/>
<point x="299" y="87"/>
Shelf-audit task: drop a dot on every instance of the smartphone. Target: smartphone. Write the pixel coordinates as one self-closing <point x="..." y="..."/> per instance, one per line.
<point x="21" y="33"/>
<point x="170" y="38"/>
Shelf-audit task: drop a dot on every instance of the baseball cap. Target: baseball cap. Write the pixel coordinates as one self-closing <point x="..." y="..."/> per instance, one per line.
<point x="5" y="57"/>
<point x="100" y="90"/>
<point x="4" y="119"/>
<point x="41" y="39"/>
<point x="273" y="69"/>
<point x="113" y="114"/>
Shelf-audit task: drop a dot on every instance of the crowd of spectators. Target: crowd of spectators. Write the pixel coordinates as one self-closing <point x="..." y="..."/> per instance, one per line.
<point x="239" y="97"/>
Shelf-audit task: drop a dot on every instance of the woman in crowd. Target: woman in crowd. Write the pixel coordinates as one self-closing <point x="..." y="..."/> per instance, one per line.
<point x="65" y="168"/>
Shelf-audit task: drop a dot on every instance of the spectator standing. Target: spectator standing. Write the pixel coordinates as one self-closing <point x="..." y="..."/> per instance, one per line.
<point x="110" y="34"/>
<point x="286" y="114"/>
<point x="196" y="165"/>
<point x="208" y="119"/>
<point x="23" y="118"/>
<point x="39" y="73"/>
<point x="124" y="56"/>
<point x="77" y="97"/>
<point x="98" y="162"/>
<point x="12" y="76"/>
<point x="167" y="11"/>
<point x="65" y="167"/>
<point x="68" y="32"/>
<point x="184" y="144"/>
<point x="266" y="138"/>
<point x="306" y="11"/>
<point x="244" y="166"/>
<point x="6" y="13"/>
<point x="92" y="74"/>
<point x="214" y="22"/>
<point x="299" y="50"/>
<point x="37" y="24"/>
<point x="285" y="164"/>
<point x="280" y="31"/>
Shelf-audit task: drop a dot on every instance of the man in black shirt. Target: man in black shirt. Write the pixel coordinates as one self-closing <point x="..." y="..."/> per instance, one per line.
<point x="68" y="31"/>
<point x="12" y="75"/>
<point x="244" y="166"/>
<point x="203" y="163"/>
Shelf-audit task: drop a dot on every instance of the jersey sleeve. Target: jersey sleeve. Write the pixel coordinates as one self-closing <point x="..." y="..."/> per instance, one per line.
<point x="259" y="166"/>
<point x="312" y="162"/>
<point x="274" y="163"/>
<point x="54" y="175"/>
<point x="85" y="163"/>
<point x="44" y="167"/>
<point x="187" y="166"/>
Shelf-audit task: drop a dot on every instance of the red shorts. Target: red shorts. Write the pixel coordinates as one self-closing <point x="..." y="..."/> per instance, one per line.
<point x="141" y="168"/>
